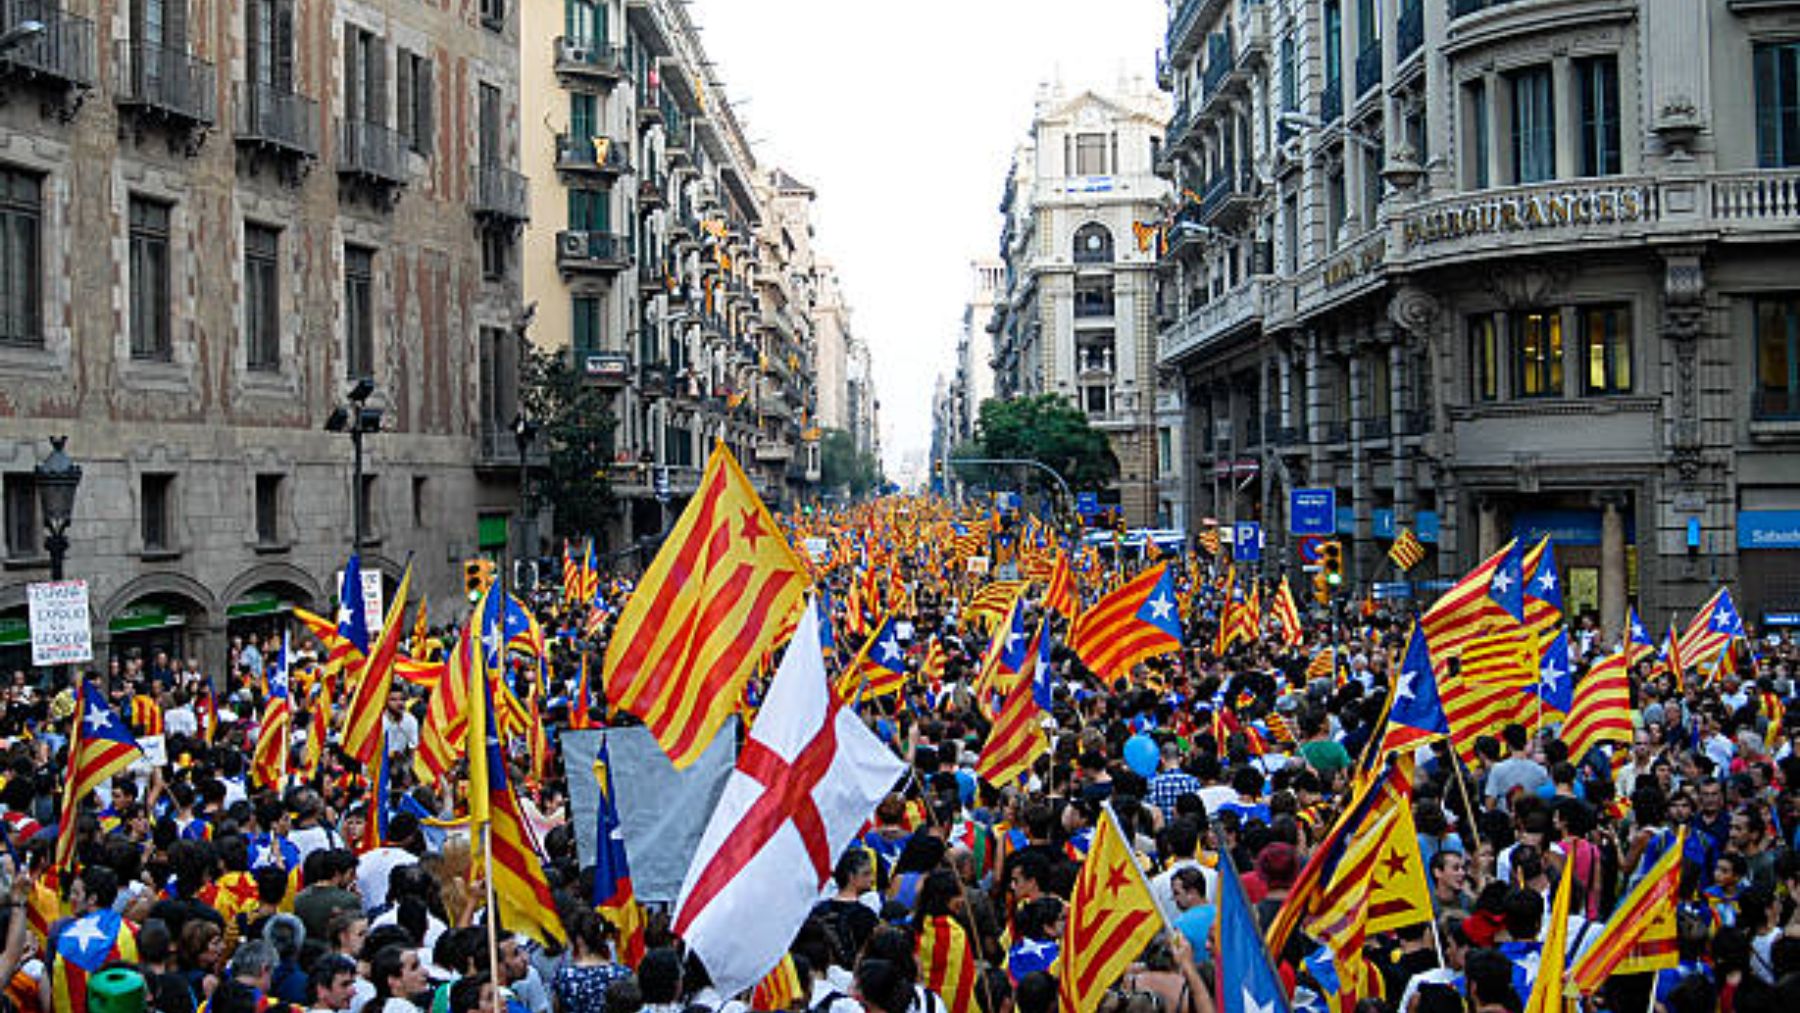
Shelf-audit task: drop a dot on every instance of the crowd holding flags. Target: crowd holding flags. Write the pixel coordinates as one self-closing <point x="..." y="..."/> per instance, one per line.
<point x="1072" y="638"/>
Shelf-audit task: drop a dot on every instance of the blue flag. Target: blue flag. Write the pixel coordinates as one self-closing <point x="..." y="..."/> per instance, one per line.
<point x="1247" y="982"/>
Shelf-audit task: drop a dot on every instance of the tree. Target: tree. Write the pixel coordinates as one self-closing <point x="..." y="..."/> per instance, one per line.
<point x="843" y="467"/>
<point x="575" y="426"/>
<point x="1047" y="429"/>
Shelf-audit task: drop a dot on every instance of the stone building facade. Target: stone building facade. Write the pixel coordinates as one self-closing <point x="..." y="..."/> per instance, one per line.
<point x="1495" y="269"/>
<point x="676" y="271"/>
<point x="1076" y="315"/>
<point x="216" y="218"/>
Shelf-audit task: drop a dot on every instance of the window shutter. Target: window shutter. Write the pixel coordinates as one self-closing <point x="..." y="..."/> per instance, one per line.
<point x="284" y="45"/>
<point x="378" y="82"/>
<point x="425" y="121"/>
<point x="353" y="95"/>
<point x="403" y="87"/>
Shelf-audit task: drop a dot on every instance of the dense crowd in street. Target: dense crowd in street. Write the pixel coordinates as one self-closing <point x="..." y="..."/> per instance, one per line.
<point x="231" y="895"/>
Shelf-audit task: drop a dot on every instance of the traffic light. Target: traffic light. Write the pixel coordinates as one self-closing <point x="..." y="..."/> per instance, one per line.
<point x="1331" y="562"/>
<point x="478" y="576"/>
<point x="1321" y="588"/>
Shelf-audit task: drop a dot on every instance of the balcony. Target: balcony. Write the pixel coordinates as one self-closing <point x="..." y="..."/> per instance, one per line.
<point x="1368" y="68"/>
<point x="167" y="84"/>
<point x="1335" y="433"/>
<point x="1095" y="363"/>
<point x="591" y="252"/>
<point x="599" y="156"/>
<point x="371" y="153"/>
<point x="650" y="193"/>
<point x="589" y="59"/>
<point x="61" y="58"/>
<point x="652" y="277"/>
<point x="1205" y="326"/>
<point x="1220" y="61"/>
<point x="275" y="119"/>
<point x="773" y="452"/>
<point x="654" y="379"/>
<point x="1183" y="39"/>
<point x="1090" y="307"/>
<point x="497" y="447"/>
<point x="649" y="104"/>
<point x="1409" y="34"/>
<point x="502" y="196"/>
<point x="1229" y="198"/>
<point x="1181" y="128"/>
<point x="1331" y="101"/>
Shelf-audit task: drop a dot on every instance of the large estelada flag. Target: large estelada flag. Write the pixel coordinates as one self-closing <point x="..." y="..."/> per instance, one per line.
<point x="1111" y="918"/>
<point x="710" y="606"/>
<point x="809" y="776"/>
<point x="101" y="747"/>
<point x="1135" y="623"/>
<point x="362" y="723"/>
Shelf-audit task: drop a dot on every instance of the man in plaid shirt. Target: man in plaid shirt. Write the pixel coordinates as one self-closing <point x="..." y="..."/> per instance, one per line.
<point x="1171" y="782"/>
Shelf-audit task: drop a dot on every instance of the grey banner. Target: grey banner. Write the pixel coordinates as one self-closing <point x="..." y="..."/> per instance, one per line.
<point x="664" y="811"/>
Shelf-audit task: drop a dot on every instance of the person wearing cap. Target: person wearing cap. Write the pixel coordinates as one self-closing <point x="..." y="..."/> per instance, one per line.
<point x="1276" y="865"/>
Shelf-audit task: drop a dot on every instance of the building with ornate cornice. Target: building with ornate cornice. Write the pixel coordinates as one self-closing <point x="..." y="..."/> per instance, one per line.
<point x="1496" y="269"/>
<point x="1076" y="314"/>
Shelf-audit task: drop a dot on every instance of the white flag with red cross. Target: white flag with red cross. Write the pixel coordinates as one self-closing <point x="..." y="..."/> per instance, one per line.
<point x="809" y="776"/>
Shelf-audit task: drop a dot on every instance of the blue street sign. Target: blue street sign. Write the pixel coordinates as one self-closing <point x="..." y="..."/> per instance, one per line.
<point x="1312" y="511"/>
<point x="1781" y="618"/>
<point x="1247" y="542"/>
<point x="1087" y="504"/>
<point x="1392" y="589"/>
<point x="1006" y="501"/>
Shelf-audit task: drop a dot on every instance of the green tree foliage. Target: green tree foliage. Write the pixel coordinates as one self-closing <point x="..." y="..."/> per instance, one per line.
<point x="843" y="468"/>
<point x="1048" y="429"/>
<point x="576" y="432"/>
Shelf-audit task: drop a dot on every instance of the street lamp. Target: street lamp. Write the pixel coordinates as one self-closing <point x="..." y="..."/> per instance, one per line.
<point x="57" y="478"/>
<point x="20" y="34"/>
<point x="356" y="418"/>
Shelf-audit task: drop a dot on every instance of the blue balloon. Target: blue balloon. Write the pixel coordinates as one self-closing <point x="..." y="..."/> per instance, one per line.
<point x="965" y="786"/>
<point x="1141" y="755"/>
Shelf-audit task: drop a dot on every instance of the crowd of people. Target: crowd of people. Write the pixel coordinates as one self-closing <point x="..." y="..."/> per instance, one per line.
<point x="234" y="897"/>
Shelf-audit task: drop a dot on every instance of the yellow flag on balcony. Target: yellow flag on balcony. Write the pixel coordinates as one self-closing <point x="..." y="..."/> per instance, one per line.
<point x="602" y="147"/>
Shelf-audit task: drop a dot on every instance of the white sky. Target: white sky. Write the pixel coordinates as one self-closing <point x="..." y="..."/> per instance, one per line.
<point x="903" y="117"/>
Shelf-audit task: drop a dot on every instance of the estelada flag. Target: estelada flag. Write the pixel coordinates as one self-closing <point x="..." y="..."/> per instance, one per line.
<point x="1640" y="935"/>
<point x="723" y="586"/>
<point x="1137" y="622"/>
<point x="1112" y="917"/>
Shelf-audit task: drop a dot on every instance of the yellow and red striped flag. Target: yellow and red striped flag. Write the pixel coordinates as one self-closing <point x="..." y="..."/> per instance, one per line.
<point x="1059" y="593"/>
<point x="421" y="632"/>
<point x="947" y="963"/>
<point x="1016" y="740"/>
<point x="709" y="607"/>
<point x="520" y="889"/>
<point x="362" y="724"/>
<point x="1407" y="551"/>
<point x="1602" y="708"/>
<point x="269" y="763"/>
<point x="445" y="729"/>
<point x="779" y="989"/>
<point x="993" y="601"/>
<point x="1505" y="656"/>
<point x="1474" y="709"/>
<point x="101" y="746"/>
<point x="1552" y="975"/>
<point x="1640" y="935"/>
<point x="1111" y="919"/>
<point x="1287" y="613"/>
<point x="1465" y="612"/>
<point x="1137" y="622"/>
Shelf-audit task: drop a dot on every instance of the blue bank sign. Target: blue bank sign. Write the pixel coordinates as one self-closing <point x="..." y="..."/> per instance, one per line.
<point x="1769" y="529"/>
<point x="1312" y="511"/>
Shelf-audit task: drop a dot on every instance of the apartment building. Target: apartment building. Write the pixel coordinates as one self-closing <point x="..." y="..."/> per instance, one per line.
<point x="1077" y="312"/>
<point x="1495" y="269"/>
<point x="214" y="221"/>
<point x="676" y="271"/>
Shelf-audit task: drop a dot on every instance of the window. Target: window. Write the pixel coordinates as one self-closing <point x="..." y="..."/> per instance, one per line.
<point x="1598" y="79"/>
<point x="149" y="236"/>
<point x="1484" y="352"/>
<point x="1777" y="72"/>
<point x="1093" y="244"/>
<point x="1777" y="393"/>
<point x="359" y="311"/>
<point x="1290" y="76"/>
<point x="678" y="447"/>
<point x="23" y="533"/>
<point x="1093" y="400"/>
<point x="156" y="511"/>
<point x="1537" y="340"/>
<point x="496" y="252"/>
<point x="1475" y="122"/>
<point x="1290" y="233"/>
<point x="590" y="210"/>
<point x="487" y="126"/>
<point x="268" y="509"/>
<point x="584" y="21"/>
<point x="1368" y="23"/>
<point x="1334" y="43"/>
<point x="420" y="488"/>
<point x="493" y="15"/>
<point x="413" y="108"/>
<point x="262" y="297"/>
<point x="1090" y="154"/>
<point x="1378" y="390"/>
<point x="1534" y="126"/>
<point x="365" y="77"/>
<point x="1335" y="200"/>
<point x="1606" y="349"/>
<point x="585" y="332"/>
<point x="21" y="270"/>
<point x="269" y="46"/>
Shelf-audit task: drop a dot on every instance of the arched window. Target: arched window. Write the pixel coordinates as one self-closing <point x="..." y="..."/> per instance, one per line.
<point x="1093" y="244"/>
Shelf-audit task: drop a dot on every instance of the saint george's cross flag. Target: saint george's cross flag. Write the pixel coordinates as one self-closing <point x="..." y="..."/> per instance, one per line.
<point x="715" y="598"/>
<point x="809" y="775"/>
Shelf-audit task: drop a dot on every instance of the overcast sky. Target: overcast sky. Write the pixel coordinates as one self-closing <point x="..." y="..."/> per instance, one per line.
<point x="903" y="117"/>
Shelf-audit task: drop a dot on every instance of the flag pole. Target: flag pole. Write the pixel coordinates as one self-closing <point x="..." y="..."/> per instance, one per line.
<point x="493" y="932"/>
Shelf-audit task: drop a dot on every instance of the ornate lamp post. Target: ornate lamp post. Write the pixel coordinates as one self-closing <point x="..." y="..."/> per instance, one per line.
<point x="356" y="418"/>
<point x="57" y="479"/>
